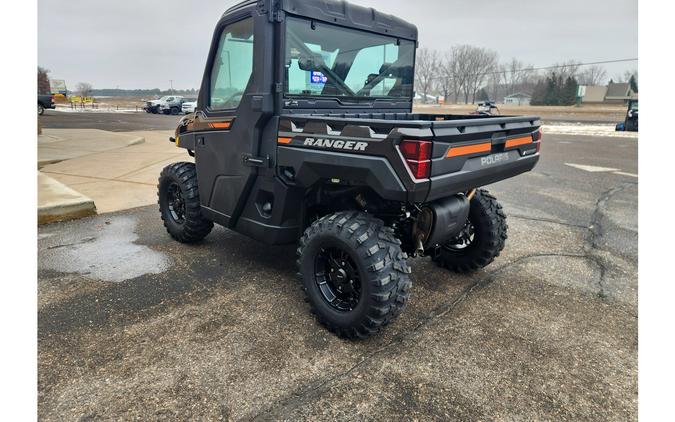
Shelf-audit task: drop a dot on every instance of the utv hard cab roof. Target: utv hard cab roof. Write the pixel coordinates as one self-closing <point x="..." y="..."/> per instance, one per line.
<point x="336" y="12"/>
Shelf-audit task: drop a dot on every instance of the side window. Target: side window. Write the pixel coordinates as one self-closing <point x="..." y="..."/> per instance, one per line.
<point x="232" y="65"/>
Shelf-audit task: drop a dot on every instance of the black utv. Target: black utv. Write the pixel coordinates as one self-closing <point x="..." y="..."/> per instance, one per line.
<point x="304" y="133"/>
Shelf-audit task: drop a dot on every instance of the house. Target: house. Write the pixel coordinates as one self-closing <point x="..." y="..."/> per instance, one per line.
<point x="519" y="98"/>
<point x="618" y="93"/>
<point x="592" y="94"/>
<point x="613" y="93"/>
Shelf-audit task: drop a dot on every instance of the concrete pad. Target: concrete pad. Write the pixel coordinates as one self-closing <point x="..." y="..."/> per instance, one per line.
<point x="111" y="195"/>
<point x="107" y="165"/>
<point x="70" y="180"/>
<point x="61" y="144"/>
<point x="151" y="173"/>
<point x="58" y="202"/>
<point x="118" y="178"/>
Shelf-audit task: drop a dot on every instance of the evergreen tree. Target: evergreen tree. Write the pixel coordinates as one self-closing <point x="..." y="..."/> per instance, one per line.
<point x="539" y="93"/>
<point x="568" y="94"/>
<point x="552" y="90"/>
<point x="633" y="83"/>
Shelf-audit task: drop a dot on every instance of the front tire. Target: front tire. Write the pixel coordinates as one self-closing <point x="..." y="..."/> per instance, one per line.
<point x="41" y="110"/>
<point x="353" y="273"/>
<point x="179" y="203"/>
<point x="175" y="111"/>
<point x="482" y="239"/>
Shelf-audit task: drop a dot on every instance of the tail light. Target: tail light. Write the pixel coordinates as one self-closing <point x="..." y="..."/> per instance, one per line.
<point x="417" y="155"/>
<point x="537" y="137"/>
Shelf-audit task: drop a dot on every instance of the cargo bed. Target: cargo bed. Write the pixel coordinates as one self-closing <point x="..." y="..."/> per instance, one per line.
<point x="468" y="151"/>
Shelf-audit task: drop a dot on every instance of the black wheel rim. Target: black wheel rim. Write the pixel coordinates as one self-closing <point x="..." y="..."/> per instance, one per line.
<point x="175" y="202"/>
<point x="463" y="240"/>
<point x="337" y="278"/>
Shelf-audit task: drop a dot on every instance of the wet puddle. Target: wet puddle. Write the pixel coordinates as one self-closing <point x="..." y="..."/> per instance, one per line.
<point x="105" y="252"/>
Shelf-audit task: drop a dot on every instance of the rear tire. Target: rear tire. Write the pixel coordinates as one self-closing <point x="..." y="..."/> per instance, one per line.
<point x="369" y="283"/>
<point x="41" y="110"/>
<point x="486" y="233"/>
<point x="179" y="203"/>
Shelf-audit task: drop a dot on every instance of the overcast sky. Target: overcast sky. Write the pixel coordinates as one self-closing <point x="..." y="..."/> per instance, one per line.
<point x="145" y="43"/>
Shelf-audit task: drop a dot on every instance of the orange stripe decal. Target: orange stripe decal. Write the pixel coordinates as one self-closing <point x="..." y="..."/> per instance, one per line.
<point x="469" y="149"/>
<point x="516" y="142"/>
<point x="220" y="125"/>
<point x="281" y="140"/>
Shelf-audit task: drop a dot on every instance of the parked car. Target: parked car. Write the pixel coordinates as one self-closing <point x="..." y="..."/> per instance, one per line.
<point x="189" y="107"/>
<point x="166" y="102"/>
<point x="45" y="101"/>
<point x="172" y="105"/>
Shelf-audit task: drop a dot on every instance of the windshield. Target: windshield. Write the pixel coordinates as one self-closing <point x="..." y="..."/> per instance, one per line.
<point x="328" y="60"/>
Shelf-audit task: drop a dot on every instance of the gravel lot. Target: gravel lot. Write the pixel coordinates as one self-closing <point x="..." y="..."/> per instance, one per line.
<point x="132" y="325"/>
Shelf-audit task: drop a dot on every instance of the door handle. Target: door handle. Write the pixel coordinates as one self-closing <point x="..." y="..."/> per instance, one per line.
<point x="256" y="161"/>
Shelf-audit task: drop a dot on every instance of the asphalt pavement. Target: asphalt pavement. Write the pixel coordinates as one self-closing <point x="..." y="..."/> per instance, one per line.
<point x="133" y="325"/>
<point x="112" y="121"/>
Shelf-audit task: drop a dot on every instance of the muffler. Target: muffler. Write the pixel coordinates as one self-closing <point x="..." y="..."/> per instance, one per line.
<point x="440" y="221"/>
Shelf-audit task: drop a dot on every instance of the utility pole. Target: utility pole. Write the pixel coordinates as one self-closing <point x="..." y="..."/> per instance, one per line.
<point x="171" y="82"/>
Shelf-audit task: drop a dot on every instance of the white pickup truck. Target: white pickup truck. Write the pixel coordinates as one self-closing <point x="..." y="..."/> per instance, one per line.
<point x="169" y="104"/>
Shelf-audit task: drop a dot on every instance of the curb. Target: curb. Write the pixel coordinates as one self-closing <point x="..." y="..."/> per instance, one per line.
<point x="62" y="203"/>
<point x="42" y="163"/>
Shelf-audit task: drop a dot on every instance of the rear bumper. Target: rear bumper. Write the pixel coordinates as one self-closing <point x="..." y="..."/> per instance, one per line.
<point x="476" y="173"/>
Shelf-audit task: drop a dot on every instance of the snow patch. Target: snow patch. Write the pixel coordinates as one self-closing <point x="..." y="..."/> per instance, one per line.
<point x="584" y="129"/>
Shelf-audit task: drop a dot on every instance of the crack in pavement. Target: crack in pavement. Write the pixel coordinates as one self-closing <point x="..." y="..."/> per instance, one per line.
<point x="548" y="220"/>
<point x="596" y="231"/>
<point x="65" y="245"/>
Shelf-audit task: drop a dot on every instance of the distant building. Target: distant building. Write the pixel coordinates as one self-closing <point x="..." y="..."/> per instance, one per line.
<point x="593" y="94"/>
<point x="518" y="98"/>
<point x="613" y="93"/>
<point x="619" y="93"/>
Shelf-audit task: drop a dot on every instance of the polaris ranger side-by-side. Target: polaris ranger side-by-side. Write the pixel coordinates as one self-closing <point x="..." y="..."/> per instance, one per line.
<point x="304" y="132"/>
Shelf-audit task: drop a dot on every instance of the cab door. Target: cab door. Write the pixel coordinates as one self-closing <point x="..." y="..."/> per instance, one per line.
<point x="226" y="122"/>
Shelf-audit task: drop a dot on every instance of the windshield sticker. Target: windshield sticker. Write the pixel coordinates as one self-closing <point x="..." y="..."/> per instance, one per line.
<point x="317" y="78"/>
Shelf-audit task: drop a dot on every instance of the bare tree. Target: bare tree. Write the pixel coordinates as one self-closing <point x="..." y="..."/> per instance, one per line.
<point x="426" y="72"/>
<point x="592" y="75"/>
<point x="84" y="89"/>
<point x="43" y="81"/>
<point x="518" y="74"/>
<point x="568" y="69"/>
<point x="625" y="76"/>
<point x="480" y="62"/>
<point x="498" y="81"/>
<point x="460" y="68"/>
<point x="447" y="81"/>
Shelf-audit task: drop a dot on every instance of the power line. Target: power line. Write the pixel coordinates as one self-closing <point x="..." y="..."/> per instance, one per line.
<point x="559" y="66"/>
